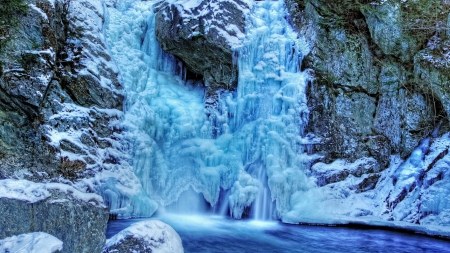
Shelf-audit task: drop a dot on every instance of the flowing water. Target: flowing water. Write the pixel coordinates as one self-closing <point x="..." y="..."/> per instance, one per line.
<point x="221" y="235"/>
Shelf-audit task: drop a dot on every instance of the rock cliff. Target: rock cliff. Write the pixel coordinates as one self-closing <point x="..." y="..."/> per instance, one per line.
<point x="370" y="97"/>
<point x="59" y="92"/>
<point x="60" y="100"/>
<point x="380" y="88"/>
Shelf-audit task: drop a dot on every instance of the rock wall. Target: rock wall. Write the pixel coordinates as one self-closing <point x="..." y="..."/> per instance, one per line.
<point x="376" y="90"/>
<point x="60" y="108"/>
<point x="59" y="93"/>
<point x="380" y="90"/>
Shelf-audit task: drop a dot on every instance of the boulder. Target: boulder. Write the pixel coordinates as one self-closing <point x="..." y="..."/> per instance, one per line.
<point x="145" y="236"/>
<point x="77" y="219"/>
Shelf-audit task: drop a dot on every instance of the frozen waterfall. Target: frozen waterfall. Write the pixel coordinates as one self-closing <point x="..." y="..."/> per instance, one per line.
<point x="257" y="159"/>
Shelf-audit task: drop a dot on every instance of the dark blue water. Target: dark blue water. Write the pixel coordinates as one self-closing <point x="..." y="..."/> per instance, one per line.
<point x="217" y="234"/>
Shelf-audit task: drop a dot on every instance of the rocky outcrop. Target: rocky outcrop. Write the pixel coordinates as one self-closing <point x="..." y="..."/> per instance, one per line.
<point x="339" y="170"/>
<point x="59" y="93"/>
<point x="203" y="36"/>
<point x="379" y="101"/>
<point x="365" y="100"/>
<point x="78" y="219"/>
<point x="37" y="242"/>
<point x="145" y="236"/>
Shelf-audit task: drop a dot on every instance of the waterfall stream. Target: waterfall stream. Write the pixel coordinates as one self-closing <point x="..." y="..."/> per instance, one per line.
<point x="258" y="158"/>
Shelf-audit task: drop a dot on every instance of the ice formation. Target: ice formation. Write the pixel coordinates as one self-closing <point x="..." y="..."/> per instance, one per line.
<point x="252" y="145"/>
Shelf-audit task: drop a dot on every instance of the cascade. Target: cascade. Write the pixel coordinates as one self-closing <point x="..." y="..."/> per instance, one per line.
<point x="258" y="153"/>
<point x="271" y="108"/>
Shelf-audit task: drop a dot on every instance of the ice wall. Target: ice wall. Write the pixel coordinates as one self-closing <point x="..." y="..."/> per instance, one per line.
<point x="268" y="114"/>
<point x="252" y="143"/>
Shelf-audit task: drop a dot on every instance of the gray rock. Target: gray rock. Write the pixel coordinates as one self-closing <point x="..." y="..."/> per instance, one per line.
<point x="432" y="70"/>
<point x="90" y="76"/>
<point x="78" y="219"/>
<point x="386" y="29"/>
<point x="339" y="170"/>
<point x="364" y="101"/>
<point x="203" y="37"/>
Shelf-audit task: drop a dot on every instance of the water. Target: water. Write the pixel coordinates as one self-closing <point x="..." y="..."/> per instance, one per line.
<point x="217" y="234"/>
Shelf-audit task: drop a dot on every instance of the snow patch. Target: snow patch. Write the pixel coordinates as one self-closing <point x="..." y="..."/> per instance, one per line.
<point x="33" y="192"/>
<point x="23" y="190"/>
<point x="37" y="242"/>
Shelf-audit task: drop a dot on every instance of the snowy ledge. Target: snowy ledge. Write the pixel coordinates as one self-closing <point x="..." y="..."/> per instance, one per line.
<point x="32" y="192"/>
<point x="38" y="242"/>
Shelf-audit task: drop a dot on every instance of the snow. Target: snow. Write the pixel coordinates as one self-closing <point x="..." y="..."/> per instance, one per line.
<point x="34" y="7"/>
<point x="411" y="194"/>
<point x="82" y="196"/>
<point x="33" y="192"/>
<point x="52" y="2"/>
<point x="160" y="237"/>
<point x="23" y="190"/>
<point x="37" y="242"/>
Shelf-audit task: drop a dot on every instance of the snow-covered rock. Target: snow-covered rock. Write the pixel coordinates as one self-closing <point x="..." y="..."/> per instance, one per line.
<point x="37" y="242"/>
<point x="60" y="93"/>
<point x="76" y="218"/>
<point x="411" y="194"/>
<point x="146" y="236"/>
<point x="203" y="34"/>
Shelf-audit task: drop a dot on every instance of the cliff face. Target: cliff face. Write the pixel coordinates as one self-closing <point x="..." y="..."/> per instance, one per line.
<point x="59" y="101"/>
<point x="381" y="87"/>
<point x="373" y="87"/>
<point x="59" y="92"/>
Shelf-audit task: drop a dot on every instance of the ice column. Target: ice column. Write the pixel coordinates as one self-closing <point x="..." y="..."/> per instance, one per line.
<point x="269" y="113"/>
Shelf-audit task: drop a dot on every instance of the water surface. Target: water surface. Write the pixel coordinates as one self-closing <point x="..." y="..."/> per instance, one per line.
<point x="218" y="234"/>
